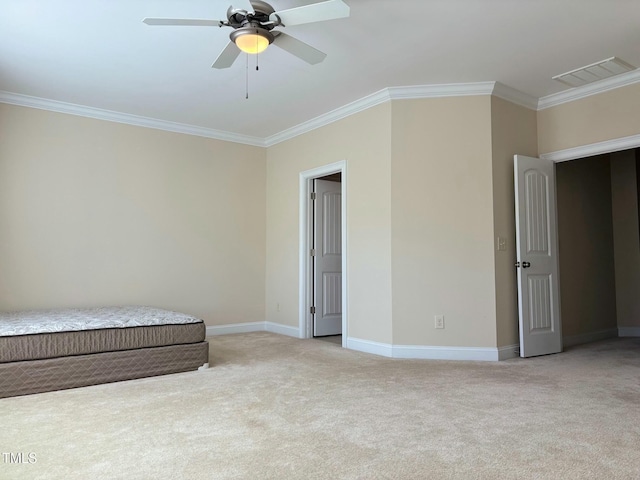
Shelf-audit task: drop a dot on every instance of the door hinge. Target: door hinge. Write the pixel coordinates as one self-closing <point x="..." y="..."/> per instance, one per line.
<point x="313" y="310"/>
<point x="313" y="195"/>
<point x="313" y="252"/>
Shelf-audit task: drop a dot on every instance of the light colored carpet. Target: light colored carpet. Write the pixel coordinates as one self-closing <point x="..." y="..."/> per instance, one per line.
<point x="273" y="407"/>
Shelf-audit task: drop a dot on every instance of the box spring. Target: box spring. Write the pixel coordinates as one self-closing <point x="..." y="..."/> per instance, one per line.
<point x="36" y="376"/>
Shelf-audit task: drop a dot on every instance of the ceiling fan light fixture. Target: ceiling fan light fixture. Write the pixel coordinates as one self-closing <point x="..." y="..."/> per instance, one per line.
<point x="252" y="40"/>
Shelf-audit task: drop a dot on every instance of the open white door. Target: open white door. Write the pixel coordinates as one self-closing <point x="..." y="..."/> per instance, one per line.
<point x="537" y="257"/>
<point x="327" y="246"/>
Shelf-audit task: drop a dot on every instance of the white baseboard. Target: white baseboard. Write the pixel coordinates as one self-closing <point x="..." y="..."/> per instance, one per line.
<point x="282" y="329"/>
<point x="252" y="327"/>
<point x="572" y="340"/>
<point x="378" y="348"/>
<point x="629" y="331"/>
<point x="431" y="353"/>
<point x="446" y="353"/>
<point x="368" y="346"/>
<point x="235" y="328"/>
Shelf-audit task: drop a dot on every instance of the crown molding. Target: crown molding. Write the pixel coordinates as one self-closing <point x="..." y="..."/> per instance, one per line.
<point x="111" y="116"/>
<point x="383" y="96"/>
<point x="352" y="108"/>
<point x="599" y="148"/>
<point x="585" y="91"/>
<point x="377" y="98"/>
<point x="512" y="95"/>
<point x="444" y="90"/>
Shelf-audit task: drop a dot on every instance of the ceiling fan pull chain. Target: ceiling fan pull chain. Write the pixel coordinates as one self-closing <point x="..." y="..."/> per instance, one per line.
<point x="247" y="78"/>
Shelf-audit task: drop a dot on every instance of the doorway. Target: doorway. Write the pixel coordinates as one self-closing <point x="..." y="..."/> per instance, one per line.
<point x="586" y="228"/>
<point x="599" y="248"/>
<point x="323" y="288"/>
<point x="585" y="332"/>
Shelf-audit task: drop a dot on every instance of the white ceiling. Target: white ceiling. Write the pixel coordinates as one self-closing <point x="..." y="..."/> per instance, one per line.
<point x="99" y="54"/>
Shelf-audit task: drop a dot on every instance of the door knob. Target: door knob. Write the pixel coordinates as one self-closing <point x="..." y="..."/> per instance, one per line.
<point x="517" y="264"/>
<point x="526" y="264"/>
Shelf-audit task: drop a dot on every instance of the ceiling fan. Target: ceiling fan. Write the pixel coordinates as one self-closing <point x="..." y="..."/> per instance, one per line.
<point x="253" y="23"/>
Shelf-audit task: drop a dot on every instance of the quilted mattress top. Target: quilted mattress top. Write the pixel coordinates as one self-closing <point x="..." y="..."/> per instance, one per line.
<point x="69" y="320"/>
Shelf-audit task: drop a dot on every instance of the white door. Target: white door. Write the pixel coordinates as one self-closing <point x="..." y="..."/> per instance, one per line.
<point x="327" y="264"/>
<point x="537" y="257"/>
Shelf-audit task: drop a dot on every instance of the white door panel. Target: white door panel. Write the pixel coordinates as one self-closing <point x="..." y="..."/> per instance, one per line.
<point x="537" y="257"/>
<point x="328" y="258"/>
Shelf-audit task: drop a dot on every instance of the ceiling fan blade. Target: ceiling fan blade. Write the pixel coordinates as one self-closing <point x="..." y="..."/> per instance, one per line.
<point x="298" y="48"/>
<point x="182" y="22"/>
<point x="227" y="56"/>
<point x="243" y="5"/>
<point x="316" y="12"/>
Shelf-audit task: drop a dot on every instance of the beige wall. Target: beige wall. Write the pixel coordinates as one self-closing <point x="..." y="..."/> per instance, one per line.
<point x="586" y="255"/>
<point x="95" y="212"/>
<point x="362" y="140"/>
<point x="513" y="131"/>
<point x="99" y="213"/>
<point x="606" y="116"/>
<point x="441" y="216"/>
<point x="626" y="237"/>
<point x="419" y="220"/>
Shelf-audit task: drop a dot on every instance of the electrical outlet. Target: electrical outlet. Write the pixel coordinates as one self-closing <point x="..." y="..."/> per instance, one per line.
<point x="439" y="321"/>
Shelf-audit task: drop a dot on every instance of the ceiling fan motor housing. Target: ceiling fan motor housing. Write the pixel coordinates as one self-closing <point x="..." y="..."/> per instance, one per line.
<point x="259" y="18"/>
<point x="252" y="23"/>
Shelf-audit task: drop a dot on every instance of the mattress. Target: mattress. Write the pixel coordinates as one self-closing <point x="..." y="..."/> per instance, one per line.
<point x="76" y="319"/>
<point x="61" y="344"/>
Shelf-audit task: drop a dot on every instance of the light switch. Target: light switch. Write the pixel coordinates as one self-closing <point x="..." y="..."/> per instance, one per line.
<point x="502" y="244"/>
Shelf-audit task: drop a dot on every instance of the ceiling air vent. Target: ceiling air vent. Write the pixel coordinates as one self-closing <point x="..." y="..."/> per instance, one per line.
<point x="594" y="72"/>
